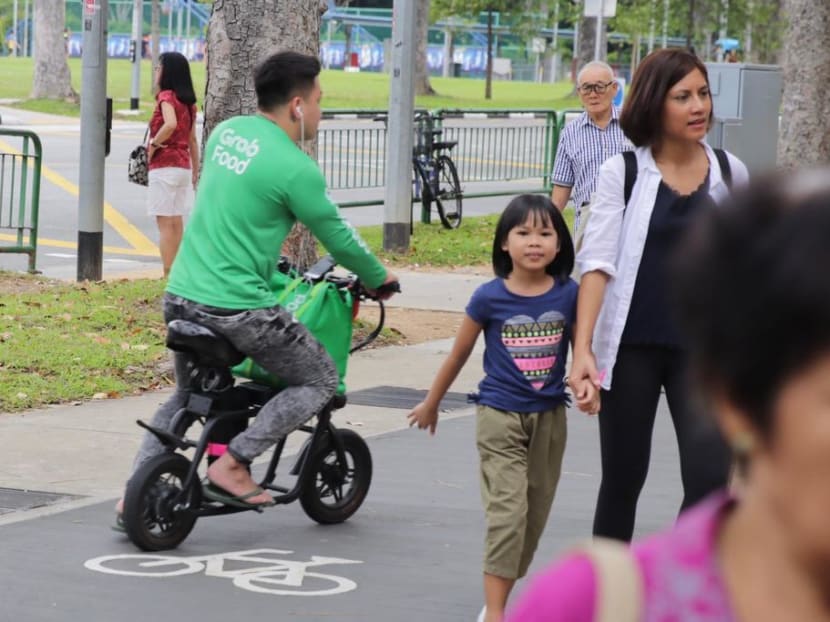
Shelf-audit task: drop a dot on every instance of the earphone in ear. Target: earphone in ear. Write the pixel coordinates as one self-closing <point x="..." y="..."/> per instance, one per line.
<point x="299" y="111"/>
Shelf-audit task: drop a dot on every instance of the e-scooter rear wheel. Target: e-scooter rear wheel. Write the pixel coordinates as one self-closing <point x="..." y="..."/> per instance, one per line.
<point x="156" y="504"/>
<point x="335" y="491"/>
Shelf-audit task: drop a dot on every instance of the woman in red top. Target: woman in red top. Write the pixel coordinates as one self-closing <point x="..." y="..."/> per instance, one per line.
<point x="173" y="153"/>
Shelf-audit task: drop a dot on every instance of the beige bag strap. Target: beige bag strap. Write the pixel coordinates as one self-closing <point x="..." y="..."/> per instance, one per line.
<point x="619" y="581"/>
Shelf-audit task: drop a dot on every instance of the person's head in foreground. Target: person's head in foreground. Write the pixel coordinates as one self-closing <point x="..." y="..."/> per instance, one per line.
<point x="754" y="299"/>
<point x="753" y="295"/>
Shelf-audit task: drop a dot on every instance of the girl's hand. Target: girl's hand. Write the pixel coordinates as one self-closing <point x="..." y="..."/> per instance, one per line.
<point x="424" y="416"/>
<point x="587" y="397"/>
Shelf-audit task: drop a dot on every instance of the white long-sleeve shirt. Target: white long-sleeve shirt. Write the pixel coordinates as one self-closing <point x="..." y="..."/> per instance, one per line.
<point x="615" y="238"/>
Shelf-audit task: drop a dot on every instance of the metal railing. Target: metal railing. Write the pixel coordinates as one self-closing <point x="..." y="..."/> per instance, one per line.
<point x="353" y="156"/>
<point x="488" y="151"/>
<point x="19" y="192"/>
<point x="522" y="149"/>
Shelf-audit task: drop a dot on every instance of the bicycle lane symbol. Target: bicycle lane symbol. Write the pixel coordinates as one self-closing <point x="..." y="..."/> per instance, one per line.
<point x="266" y="571"/>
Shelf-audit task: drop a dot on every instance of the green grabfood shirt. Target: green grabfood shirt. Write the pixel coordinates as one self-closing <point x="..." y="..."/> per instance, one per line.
<point x="255" y="184"/>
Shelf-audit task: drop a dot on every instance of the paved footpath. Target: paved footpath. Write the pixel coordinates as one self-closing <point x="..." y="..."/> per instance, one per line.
<point x="412" y="552"/>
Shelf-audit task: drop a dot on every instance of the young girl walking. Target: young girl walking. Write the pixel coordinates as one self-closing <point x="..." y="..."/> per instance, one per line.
<point x="527" y="315"/>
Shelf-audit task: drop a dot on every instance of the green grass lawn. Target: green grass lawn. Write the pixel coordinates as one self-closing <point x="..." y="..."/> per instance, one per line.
<point x="62" y="342"/>
<point x="341" y="89"/>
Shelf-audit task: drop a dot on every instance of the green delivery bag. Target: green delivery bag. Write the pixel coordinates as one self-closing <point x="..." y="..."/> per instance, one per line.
<point x="324" y="309"/>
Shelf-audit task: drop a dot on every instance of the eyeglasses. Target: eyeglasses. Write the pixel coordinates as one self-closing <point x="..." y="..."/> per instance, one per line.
<point x="598" y="87"/>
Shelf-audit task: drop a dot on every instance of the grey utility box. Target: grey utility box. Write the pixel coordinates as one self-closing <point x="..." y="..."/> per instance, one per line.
<point x="747" y="101"/>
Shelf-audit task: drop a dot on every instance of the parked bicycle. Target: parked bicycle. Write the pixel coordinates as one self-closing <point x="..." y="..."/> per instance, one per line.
<point x="333" y="470"/>
<point x="435" y="176"/>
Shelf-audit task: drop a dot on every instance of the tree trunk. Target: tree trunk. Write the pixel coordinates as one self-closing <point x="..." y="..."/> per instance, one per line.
<point x="347" y="32"/>
<point x="52" y="79"/>
<point x="422" y="85"/>
<point x="586" y="41"/>
<point x="155" y="28"/>
<point x="449" y="53"/>
<point x="488" y="79"/>
<point x="241" y="33"/>
<point x="690" y="27"/>
<point x="805" y="135"/>
<point x="119" y="12"/>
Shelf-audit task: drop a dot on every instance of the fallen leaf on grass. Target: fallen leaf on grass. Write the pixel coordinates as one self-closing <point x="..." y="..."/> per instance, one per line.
<point x="100" y="396"/>
<point x="97" y="338"/>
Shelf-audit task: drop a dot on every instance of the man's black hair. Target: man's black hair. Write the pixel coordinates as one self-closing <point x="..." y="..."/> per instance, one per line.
<point x="282" y="76"/>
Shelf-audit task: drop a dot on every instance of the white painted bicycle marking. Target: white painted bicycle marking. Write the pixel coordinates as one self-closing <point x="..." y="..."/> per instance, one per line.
<point x="259" y="570"/>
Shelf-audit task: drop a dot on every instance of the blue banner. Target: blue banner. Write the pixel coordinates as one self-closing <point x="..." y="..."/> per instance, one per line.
<point x="473" y="59"/>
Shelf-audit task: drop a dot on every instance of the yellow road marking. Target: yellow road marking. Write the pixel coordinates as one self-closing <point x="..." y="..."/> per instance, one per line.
<point x="41" y="242"/>
<point x="140" y="243"/>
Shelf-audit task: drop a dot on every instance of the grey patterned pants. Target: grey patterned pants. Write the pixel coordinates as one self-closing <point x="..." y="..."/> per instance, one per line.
<point x="279" y="344"/>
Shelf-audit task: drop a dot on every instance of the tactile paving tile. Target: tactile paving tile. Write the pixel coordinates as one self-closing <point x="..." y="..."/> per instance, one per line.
<point x="402" y="397"/>
<point x="13" y="499"/>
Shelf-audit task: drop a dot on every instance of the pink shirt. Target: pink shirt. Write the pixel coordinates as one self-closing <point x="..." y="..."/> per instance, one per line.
<point x="681" y="576"/>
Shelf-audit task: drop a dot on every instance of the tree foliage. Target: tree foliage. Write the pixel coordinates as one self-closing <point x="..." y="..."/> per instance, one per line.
<point x="524" y="17"/>
<point x="756" y="24"/>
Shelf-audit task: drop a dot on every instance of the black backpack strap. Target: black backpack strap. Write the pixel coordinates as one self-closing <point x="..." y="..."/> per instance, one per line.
<point x="725" y="169"/>
<point x="630" y="174"/>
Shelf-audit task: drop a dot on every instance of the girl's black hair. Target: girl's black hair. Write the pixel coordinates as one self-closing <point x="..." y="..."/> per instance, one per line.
<point x="751" y="294"/>
<point x="517" y="212"/>
<point x="175" y="76"/>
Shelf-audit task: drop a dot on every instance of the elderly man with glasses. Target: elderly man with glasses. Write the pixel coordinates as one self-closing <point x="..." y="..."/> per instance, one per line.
<point x="589" y="140"/>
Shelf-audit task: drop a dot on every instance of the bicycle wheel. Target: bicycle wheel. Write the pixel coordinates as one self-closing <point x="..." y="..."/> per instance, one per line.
<point x="448" y="196"/>
<point x="335" y="491"/>
<point x="156" y="515"/>
<point x="312" y="583"/>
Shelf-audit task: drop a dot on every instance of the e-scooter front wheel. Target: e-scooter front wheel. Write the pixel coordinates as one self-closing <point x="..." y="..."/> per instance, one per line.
<point x="156" y="505"/>
<point x="335" y="491"/>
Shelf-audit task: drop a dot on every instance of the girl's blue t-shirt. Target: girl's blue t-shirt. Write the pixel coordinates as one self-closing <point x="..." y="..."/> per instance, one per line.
<point x="526" y="345"/>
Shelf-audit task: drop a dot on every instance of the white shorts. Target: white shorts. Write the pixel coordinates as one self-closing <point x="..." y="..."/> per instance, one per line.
<point x="170" y="191"/>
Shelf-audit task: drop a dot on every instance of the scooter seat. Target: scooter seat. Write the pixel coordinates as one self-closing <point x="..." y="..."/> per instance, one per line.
<point x="209" y="347"/>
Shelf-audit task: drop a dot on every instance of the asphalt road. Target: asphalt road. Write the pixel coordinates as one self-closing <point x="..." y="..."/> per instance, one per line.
<point x="412" y="552"/>
<point x="131" y="237"/>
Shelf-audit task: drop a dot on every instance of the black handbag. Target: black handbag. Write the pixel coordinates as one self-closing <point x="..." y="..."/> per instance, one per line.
<point x="137" y="164"/>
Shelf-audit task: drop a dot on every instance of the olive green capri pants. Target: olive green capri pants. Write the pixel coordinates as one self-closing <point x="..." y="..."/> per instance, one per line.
<point x="520" y="462"/>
